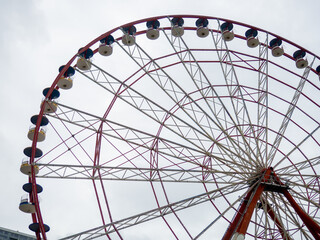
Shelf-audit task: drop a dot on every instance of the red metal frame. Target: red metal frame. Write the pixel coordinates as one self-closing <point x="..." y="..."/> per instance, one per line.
<point x="243" y="221"/>
<point x="313" y="227"/>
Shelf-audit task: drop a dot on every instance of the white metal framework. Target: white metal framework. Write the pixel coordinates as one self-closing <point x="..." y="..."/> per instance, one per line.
<point x="174" y="136"/>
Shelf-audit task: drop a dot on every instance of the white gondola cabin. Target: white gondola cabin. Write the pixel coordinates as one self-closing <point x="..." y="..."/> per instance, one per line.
<point x="41" y="134"/>
<point x="128" y="38"/>
<point x="276" y="48"/>
<point x="301" y="61"/>
<point x="26" y="167"/>
<point x="153" y="31"/>
<point x="105" y="48"/>
<point x="226" y="30"/>
<point x="66" y="81"/>
<point x="252" y="40"/>
<point x="84" y="62"/>
<point x="26" y="206"/>
<point x="50" y="104"/>
<point x="177" y="29"/>
<point x="202" y="27"/>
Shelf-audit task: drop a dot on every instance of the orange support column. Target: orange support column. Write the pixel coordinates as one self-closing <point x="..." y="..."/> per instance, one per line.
<point x="242" y="229"/>
<point x="242" y="219"/>
<point x="237" y="218"/>
<point x="313" y="227"/>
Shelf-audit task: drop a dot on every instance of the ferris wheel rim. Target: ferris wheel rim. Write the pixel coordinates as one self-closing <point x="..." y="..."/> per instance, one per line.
<point x="125" y="25"/>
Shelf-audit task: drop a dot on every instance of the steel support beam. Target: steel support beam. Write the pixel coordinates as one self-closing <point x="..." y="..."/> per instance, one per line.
<point x="240" y="223"/>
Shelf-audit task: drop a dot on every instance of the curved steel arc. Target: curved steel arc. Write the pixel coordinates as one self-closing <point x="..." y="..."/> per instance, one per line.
<point x="195" y="149"/>
<point x="297" y="146"/>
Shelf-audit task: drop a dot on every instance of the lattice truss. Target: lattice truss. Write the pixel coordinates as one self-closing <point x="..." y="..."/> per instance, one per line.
<point x="186" y="112"/>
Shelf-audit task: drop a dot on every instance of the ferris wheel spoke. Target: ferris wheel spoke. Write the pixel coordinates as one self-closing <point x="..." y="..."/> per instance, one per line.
<point x="174" y="88"/>
<point x="116" y="128"/>
<point x="70" y="148"/>
<point x="275" y="212"/>
<point x="306" y="180"/>
<point x="129" y="173"/>
<point x="263" y="73"/>
<point x="152" y="107"/>
<point x="241" y="113"/>
<point x="272" y="212"/>
<point x="151" y="214"/>
<point x="143" y="139"/>
<point x="287" y="117"/>
<point x="312" y="184"/>
<point x="260" y="220"/>
<point x="174" y="172"/>
<point x="169" y="149"/>
<point x="301" y="165"/>
<point x="259" y="224"/>
<point x="232" y="205"/>
<point x="297" y="146"/>
<point x="196" y="73"/>
<point x="306" y="201"/>
<point x="259" y="131"/>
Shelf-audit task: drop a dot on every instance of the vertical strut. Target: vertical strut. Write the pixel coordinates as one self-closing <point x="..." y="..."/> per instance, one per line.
<point x="239" y="106"/>
<point x="263" y="101"/>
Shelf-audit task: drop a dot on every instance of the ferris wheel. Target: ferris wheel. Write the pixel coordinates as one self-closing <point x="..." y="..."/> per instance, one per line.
<point x="178" y="127"/>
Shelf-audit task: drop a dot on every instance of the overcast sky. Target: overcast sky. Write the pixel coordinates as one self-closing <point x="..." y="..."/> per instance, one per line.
<point x="38" y="36"/>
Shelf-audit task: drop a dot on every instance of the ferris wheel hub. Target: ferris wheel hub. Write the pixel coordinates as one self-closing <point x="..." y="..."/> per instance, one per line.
<point x="273" y="184"/>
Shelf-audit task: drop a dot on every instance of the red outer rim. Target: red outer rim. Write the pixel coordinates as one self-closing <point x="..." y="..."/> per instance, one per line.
<point x="36" y="217"/>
